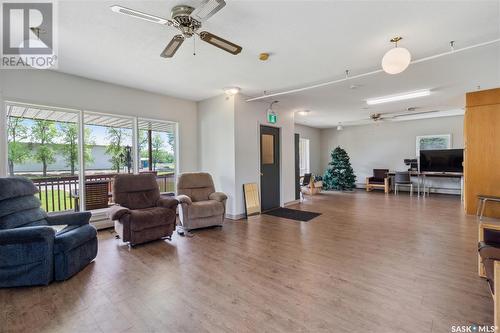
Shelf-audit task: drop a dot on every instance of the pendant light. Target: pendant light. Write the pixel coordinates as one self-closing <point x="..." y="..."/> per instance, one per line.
<point x="396" y="60"/>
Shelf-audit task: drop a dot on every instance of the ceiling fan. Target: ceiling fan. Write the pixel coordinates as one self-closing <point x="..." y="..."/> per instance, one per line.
<point x="394" y="115"/>
<point x="188" y="21"/>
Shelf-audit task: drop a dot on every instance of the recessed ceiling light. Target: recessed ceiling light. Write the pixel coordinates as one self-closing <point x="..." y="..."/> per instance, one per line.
<point x="231" y="91"/>
<point x="398" y="97"/>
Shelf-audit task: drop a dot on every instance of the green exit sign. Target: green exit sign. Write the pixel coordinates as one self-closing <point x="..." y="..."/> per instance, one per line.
<point x="272" y="118"/>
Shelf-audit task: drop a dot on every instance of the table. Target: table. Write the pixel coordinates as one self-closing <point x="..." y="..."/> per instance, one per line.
<point x="422" y="176"/>
<point x="431" y="174"/>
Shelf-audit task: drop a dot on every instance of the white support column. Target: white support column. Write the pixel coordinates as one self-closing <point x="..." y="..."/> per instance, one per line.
<point x="135" y="144"/>
<point x="81" y="159"/>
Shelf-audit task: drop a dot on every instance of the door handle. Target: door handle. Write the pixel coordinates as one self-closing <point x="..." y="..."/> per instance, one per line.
<point x="261" y="174"/>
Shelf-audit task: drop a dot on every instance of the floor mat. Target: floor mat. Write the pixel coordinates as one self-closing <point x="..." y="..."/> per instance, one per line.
<point x="293" y="214"/>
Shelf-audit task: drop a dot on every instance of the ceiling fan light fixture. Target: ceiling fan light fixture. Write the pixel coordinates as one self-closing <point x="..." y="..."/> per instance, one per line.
<point x="398" y="97"/>
<point x="396" y="60"/>
<point x="231" y="91"/>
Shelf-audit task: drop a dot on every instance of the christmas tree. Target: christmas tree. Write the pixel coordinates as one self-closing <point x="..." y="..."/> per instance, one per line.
<point x="339" y="175"/>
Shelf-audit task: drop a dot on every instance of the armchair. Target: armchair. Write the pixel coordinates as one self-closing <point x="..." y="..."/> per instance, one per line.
<point x="489" y="262"/>
<point x="380" y="179"/>
<point x="141" y="214"/>
<point x="31" y="251"/>
<point x="200" y="205"/>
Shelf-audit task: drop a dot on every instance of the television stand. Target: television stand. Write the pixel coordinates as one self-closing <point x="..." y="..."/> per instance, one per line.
<point x="436" y="174"/>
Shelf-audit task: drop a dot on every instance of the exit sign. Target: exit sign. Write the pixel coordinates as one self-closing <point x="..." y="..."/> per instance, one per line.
<point x="272" y="118"/>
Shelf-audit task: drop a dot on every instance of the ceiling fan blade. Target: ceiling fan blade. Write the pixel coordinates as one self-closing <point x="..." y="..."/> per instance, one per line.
<point x="207" y="9"/>
<point x="141" y="15"/>
<point x="173" y="46"/>
<point x="220" y="42"/>
<point x="413" y="113"/>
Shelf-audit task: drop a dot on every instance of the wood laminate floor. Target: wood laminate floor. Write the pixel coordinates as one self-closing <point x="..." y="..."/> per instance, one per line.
<point x="370" y="263"/>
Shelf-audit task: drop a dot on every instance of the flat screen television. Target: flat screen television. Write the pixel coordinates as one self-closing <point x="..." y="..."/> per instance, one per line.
<point x="441" y="160"/>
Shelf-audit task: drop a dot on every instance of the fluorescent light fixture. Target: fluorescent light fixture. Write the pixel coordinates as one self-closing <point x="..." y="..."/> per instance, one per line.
<point x="398" y="97"/>
<point x="304" y="112"/>
<point x="231" y="91"/>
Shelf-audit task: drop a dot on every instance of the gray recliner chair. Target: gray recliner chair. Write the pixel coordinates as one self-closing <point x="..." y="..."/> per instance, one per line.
<point x="200" y="205"/>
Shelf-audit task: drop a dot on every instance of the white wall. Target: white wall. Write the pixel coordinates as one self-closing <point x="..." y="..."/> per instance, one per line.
<point x="249" y="117"/>
<point x="229" y="139"/>
<point x="386" y="144"/>
<point x="217" y="145"/>
<point x="63" y="90"/>
<point x="314" y="136"/>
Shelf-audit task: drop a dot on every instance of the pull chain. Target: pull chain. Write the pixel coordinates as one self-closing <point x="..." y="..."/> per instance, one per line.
<point x="194" y="45"/>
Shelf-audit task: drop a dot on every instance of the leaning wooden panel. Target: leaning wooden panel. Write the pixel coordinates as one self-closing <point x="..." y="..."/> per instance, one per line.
<point x="252" y="202"/>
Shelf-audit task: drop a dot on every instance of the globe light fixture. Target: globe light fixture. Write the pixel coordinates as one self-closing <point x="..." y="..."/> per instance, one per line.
<point x="396" y="60"/>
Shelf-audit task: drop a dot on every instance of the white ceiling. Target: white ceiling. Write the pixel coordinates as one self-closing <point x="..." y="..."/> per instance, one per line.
<point x="310" y="42"/>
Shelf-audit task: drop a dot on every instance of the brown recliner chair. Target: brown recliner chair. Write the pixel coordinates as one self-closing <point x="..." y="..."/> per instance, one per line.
<point x="200" y="206"/>
<point x="141" y="215"/>
<point x="380" y="179"/>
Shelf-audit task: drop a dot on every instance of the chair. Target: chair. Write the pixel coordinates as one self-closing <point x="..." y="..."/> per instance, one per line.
<point x="200" y="206"/>
<point x="96" y="195"/>
<point x="489" y="265"/>
<point x="305" y="183"/>
<point x="32" y="252"/>
<point x="141" y="215"/>
<point x="402" y="179"/>
<point x="380" y="179"/>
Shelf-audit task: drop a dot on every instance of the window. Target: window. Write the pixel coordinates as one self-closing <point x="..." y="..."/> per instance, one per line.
<point x="45" y="144"/>
<point x="304" y="156"/>
<point x="156" y="145"/>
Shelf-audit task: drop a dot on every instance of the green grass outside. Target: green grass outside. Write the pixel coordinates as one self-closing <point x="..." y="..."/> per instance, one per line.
<point x="50" y="206"/>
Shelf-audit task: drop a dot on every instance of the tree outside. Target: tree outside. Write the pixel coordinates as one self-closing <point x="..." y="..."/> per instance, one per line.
<point x="160" y="153"/>
<point x="44" y="132"/>
<point x="18" y="150"/>
<point x="117" y="138"/>
<point x="69" y="148"/>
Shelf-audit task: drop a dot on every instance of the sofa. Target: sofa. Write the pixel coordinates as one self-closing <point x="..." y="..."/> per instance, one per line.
<point x="200" y="205"/>
<point x="141" y="214"/>
<point x="32" y="251"/>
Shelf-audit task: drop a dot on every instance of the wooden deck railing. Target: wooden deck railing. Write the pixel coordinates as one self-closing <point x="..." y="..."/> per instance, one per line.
<point x="55" y="192"/>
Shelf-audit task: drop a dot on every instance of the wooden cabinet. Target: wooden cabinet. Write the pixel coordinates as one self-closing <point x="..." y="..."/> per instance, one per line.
<point x="482" y="149"/>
